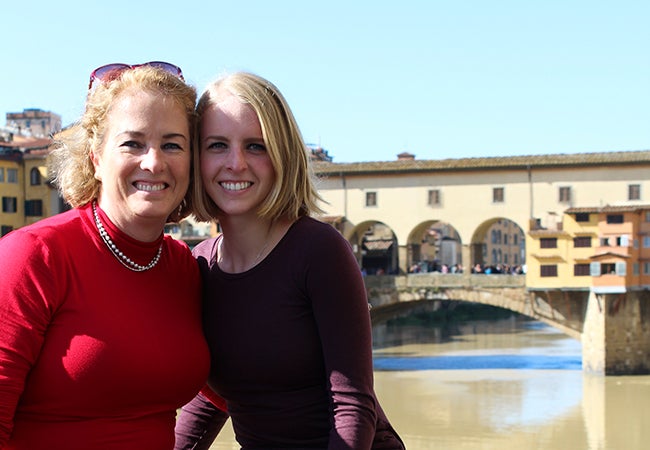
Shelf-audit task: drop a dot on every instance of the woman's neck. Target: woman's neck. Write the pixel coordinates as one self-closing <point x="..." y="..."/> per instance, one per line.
<point x="244" y="244"/>
<point x="139" y="228"/>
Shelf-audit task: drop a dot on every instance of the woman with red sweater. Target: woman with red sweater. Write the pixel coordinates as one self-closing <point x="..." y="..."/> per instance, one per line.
<point x="100" y="331"/>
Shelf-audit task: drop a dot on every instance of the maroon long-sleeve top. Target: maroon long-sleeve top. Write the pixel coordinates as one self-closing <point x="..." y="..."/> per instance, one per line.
<point x="291" y="343"/>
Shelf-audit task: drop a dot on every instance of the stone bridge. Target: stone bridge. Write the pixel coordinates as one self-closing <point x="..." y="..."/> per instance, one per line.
<point x="614" y="328"/>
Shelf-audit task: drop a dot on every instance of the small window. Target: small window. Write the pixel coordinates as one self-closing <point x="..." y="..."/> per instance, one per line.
<point x="608" y="269"/>
<point x="12" y="175"/>
<point x="2" y="180"/>
<point x="582" y="241"/>
<point x="623" y="241"/>
<point x="634" y="192"/>
<point x="9" y="204"/>
<point x="565" y="194"/>
<point x="581" y="270"/>
<point x="497" y="195"/>
<point x="35" y="177"/>
<point x="647" y="215"/>
<point x="4" y="229"/>
<point x="582" y="217"/>
<point x="434" y="197"/>
<point x="548" y="270"/>
<point x="371" y="199"/>
<point x="646" y="268"/>
<point x="614" y="218"/>
<point x="34" y="208"/>
<point x="548" y="243"/>
<point x="646" y="241"/>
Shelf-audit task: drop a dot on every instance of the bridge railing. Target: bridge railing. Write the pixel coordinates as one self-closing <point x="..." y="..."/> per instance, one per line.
<point x="444" y="280"/>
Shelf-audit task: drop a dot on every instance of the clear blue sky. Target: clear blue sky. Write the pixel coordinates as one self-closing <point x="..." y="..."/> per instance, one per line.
<point x="368" y="79"/>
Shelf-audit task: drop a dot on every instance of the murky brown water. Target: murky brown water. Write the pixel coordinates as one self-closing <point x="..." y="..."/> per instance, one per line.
<point x="477" y="406"/>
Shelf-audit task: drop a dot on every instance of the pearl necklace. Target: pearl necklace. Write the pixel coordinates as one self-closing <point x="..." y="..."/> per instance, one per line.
<point x="121" y="257"/>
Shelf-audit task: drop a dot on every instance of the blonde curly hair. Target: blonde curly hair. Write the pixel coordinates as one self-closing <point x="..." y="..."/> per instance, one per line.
<point x="69" y="162"/>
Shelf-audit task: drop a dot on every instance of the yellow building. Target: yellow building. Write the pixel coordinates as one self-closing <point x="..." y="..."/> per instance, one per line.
<point x="41" y="198"/>
<point x="11" y="191"/>
<point x="604" y="249"/>
<point x="26" y="194"/>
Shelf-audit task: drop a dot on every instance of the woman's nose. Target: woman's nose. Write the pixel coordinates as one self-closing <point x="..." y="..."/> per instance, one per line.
<point x="152" y="160"/>
<point x="236" y="159"/>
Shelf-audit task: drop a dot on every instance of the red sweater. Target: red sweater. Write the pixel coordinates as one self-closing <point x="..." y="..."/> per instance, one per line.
<point x="93" y="355"/>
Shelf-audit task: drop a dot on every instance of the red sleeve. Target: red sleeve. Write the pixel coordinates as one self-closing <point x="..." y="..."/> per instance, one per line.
<point x="214" y="398"/>
<point x="26" y="308"/>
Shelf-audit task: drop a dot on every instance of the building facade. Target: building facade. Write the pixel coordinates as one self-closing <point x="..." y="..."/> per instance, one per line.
<point x="604" y="249"/>
<point x="474" y="195"/>
<point x="33" y="122"/>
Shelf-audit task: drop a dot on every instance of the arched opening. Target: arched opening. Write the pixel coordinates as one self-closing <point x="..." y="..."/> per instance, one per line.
<point x="375" y="245"/>
<point x="434" y="246"/>
<point x="498" y="246"/>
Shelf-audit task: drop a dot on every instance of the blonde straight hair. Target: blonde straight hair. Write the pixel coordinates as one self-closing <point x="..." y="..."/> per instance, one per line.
<point x="293" y="194"/>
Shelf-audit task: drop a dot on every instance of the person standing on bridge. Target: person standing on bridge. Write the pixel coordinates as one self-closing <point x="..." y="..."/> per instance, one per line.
<point x="285" y="306"/>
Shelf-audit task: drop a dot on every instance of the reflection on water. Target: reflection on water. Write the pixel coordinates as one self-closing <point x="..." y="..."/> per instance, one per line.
<point x="500" y="384"/>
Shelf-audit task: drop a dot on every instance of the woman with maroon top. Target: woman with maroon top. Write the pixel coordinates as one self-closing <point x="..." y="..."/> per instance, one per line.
<point x="285" y="307"/>
<point x="100" y="313"/>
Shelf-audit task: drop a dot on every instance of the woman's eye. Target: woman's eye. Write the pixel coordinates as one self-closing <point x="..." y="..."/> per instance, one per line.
<point x="257" y="147"/>
<point x="131" y="144"/>
<point x="216" y="146"/>
<point x="172" y="146"/>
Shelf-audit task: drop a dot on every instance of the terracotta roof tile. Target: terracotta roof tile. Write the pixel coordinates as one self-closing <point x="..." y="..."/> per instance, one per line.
<point x="485" y="163"/>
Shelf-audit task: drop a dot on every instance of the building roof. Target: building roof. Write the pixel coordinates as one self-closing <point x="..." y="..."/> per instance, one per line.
<point x="27" y="144"/>
<point x="545" y="232"/>
<point x="607" y="209"/>
<point x="485" y="163"/>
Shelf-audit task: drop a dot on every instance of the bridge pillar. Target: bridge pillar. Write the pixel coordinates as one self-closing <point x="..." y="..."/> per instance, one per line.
<point x="402" y="259"/>
<point x="616" y="334"/>
<point x="466" y="258"/>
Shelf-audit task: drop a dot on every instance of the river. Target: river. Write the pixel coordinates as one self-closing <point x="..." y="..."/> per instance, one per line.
<point x="495" y="384"/>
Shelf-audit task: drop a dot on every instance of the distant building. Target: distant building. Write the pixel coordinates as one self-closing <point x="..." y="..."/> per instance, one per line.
<point x="26" y="193"/>
<point x="317" y="153"/>
<point x="504" y="244"/>
<point x="605" y="249"/>
<point x="32" y="122"/>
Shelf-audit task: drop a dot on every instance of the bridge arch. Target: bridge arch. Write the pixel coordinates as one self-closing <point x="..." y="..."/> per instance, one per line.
<point x="498" y="242"/>
<point x="563" y="310"/>
<point x="433" y="245"/>
<point x="375" y="246"/>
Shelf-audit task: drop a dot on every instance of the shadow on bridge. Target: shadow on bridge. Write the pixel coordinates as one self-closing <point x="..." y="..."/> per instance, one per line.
<point x="390" y="295"/>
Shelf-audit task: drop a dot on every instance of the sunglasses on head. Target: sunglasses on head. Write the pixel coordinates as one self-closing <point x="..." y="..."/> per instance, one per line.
<point x="112" y="71"/>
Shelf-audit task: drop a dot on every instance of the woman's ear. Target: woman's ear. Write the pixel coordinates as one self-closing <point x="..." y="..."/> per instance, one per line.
<point x="96" y="164"/>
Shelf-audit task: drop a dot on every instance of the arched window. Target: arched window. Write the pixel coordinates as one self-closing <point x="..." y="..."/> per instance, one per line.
<point x="35" y="177"/>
